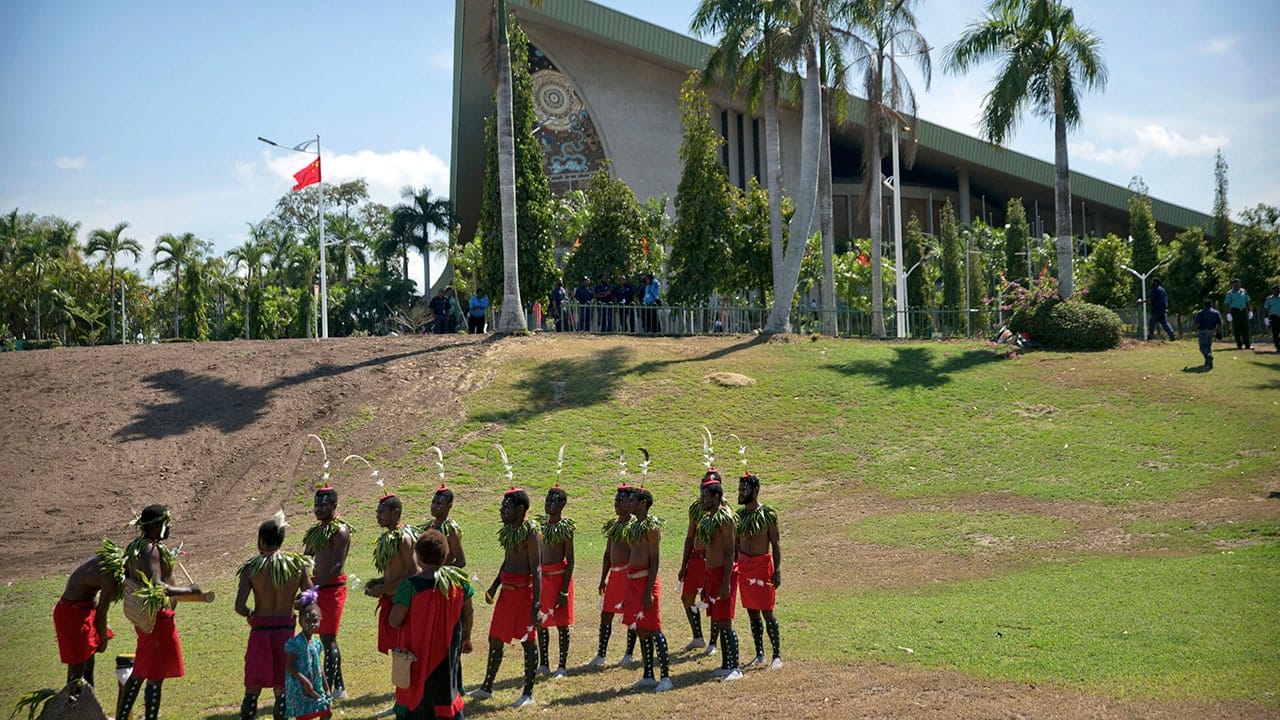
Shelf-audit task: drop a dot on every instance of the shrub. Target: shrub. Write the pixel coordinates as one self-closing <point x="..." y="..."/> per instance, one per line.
<point x="41" y="344"/>
<point x="1074" y="325"/>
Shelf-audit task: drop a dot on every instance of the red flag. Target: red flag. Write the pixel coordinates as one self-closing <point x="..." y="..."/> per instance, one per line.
<point x="309" y="175"/>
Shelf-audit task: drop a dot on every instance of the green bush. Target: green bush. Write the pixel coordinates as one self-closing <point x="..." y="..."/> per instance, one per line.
<point x="41" y="344"/>
<point x="1074" y="325"/>
<point x="177" y="340"/>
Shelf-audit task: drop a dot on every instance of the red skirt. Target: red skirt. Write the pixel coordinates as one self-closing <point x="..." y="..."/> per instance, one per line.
<point x="695" y="574"/>
<point x="722" y="608"/>
<point x="510" y="621"/>
<point x="553" y="577"/>
<point x="634" y="612"/>
<point x="331" y="598"/>
<point x="77" y="631"/>
<point x="387" y="635"/>
<point x="159" y="653"/>
<point x="615" y="590"/>
<point x="755" y="581"/>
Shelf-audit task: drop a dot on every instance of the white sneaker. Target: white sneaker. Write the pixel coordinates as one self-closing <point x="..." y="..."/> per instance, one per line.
<point x="543" y="670"/>
<point x="665" y="684"/>
<point x="559" y="673"/>
<point x="734" y="674"/>
<point x="339" y="694"/>
<point x="480" y="694"/>
<point x="644" y="682"/>
<point x="776" y="664"/>
<point x="720" y="672"/>
<point x="758" y="660"/>
<point x="626" y="660"/>
<point x="696" y="644"/>
<point x="711" y="649"/>
<point x="522" y="701"/>
<point x="388" y="712"/>
<point x="595" y="661"/>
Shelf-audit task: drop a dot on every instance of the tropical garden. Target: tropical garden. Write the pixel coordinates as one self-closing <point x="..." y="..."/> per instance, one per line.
<point x="61" y="283"/>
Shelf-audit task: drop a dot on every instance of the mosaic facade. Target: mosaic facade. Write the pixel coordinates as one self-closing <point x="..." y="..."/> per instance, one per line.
<point x="571" y="148"/>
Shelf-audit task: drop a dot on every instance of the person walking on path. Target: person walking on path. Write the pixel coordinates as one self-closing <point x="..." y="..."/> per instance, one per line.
<point x="479" y="308"/>
<point x="1239" y="313"/>
<point x="1207" y="322"/>
<point x="1158" y="309"/>
<point x="1271" y="309"/>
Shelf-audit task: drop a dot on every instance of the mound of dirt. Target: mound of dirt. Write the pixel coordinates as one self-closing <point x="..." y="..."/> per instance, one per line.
<point x="92" y="435"/>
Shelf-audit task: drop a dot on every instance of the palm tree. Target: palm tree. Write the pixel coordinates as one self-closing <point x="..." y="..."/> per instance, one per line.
<point x="349" y="237"/>
<point x="111" y="243"/>
<point x="881" y="31"/>
<point x="1048" y="59"/>
<point x="413" y="220"/>
<point x="252" y="257"/>
<point x="172" y="254"/>
<point x="45" y="251"/>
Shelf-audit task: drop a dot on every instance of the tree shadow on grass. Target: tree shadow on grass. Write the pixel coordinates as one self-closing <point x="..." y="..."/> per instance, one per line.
<point x="915" y="367"/>
<point x="205" y="401"/>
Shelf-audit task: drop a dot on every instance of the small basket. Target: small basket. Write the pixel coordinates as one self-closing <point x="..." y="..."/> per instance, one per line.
<point x="134" y="610"/>
<point x="402" y="668"/>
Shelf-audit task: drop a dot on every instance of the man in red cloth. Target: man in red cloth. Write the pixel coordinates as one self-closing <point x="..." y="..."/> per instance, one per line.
<point x="328" y="541"/>
<point x="759" y="566"/>
<point x="80" y="617"/>
<point x="642" y="610"/>
<point x="520" y="579"/>
<point x="557" y="579"/>
<point x="393" y="557"/>
<point x="432" y="611"/>
<point x="613" y="575"/>
<point x="716" y="528"/>
<point x="693" y="571"/>
<point x="158" y="655"/>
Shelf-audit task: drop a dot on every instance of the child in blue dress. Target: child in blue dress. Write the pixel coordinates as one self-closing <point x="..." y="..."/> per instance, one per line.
<point x="306" y="697"/>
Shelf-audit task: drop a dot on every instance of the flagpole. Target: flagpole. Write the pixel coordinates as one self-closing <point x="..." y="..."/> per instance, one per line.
<point x="324" y="265"/>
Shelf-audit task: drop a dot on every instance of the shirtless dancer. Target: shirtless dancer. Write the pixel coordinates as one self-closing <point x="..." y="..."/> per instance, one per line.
<point x="760" y="566"/>
<point x="80" y="617"/>
<point x="642" y="610"/>
<point x="393" y="557"/>
<point x="613" y="575"/>
<point x="693" y="571"/>
<point x="328" y="542"/>
<point x="274" y="578"/>
<point x="557" y="579"/>
<point x="717" y="530"/>
<point x="441" y="506"/>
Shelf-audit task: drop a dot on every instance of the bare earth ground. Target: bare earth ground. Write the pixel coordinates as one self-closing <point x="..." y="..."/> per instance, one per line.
<point x="88" y="436"/>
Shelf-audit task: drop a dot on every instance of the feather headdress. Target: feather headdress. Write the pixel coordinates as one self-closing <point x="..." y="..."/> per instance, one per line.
<point x="373" y="472"/>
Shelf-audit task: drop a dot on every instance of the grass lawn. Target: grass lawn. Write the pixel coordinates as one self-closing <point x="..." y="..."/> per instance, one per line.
<point x="1062" y="494"/>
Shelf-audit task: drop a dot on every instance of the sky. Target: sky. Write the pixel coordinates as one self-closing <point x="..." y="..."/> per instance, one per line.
<point x="148" y="112"/>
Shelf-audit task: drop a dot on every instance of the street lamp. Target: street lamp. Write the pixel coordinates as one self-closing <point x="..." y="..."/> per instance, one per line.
<point x="907" y="316"/>
<point x="900" y="289"/>
<point x="968" y="274"/>
<point x="1143" y="277"/>
<point x="324" y="275"/>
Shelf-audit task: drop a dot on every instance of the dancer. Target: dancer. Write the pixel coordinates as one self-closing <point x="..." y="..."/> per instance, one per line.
<point x="613" y="575"/>
<point x="716" y="528"/>
<point x="393" y="557"/>
<point x="642" y="610"/>
<point x="305" y="689"/>
<point x="441" y="506"/>
<point x="80" y="617"/>
<point x="520" y="580"/>
<point x="557" y="579"/>
<point x="328" y="542"/>
<point x="693" y="571"/>
<point x="274" y="578"/>
<point x="158" y="655"/>
<point x="759" y="566"/>
<point x="433" y="612"/>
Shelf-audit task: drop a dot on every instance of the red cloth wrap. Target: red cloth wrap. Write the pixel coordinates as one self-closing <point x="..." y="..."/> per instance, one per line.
<point x="331" y="598"/>
<point x="159" y="653"/>
<point x="427" y="632"/>
<point x="695" y="573"/>
<point x="387" y="635"/>
<point x="755" y="581"/>
<point x="510" y="621"/>
<point x="551" y="587"/>
<point x="722" y="608"/>
<point x="74" y="624"/>
<point x="615" y="589"/>
<point x="264" y="656"/>
<point x="634" y="607"/>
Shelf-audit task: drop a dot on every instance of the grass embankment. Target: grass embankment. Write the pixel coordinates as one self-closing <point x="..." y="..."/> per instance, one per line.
<point x="1056" y="497"/>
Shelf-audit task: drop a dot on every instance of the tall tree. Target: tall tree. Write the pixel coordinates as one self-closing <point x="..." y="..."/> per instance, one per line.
<point x="252" y="257"/>
<point x="1109" y="285"/>
<point x="171" y="254"/>
<point x="1047" y="60"/>
<point x="1193" y="271"/>
<point x="882" y="31"/>
<point x="1017" y="242"/>
<point x="1255" y="251"/>
<point x="1221" y="209"/>
<point x="611" y="239"/>
<point x="704" y="203"/>
<point x="918" y="291"/>
<point x="1144" y="250"/>
<point x="952" y="258"/>
<point x="414" y="219"/>
<point x="112" y="243"/>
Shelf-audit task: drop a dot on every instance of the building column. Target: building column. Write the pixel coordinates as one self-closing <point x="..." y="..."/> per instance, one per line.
<point x="965" y="215"/>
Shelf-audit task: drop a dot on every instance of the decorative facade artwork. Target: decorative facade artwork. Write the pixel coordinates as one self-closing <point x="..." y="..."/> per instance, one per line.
<point x="571" y="149"/>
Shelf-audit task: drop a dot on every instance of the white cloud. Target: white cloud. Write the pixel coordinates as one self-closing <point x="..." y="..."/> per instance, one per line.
<point x="71" y="163"/>
<point x="1150" y="141"/>
<point x="386" y="173"/>
<point x="1218" y="45"/>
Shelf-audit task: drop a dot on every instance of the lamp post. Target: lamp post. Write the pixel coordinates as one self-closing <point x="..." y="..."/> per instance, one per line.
<point x="1143" y="277"/>
<point x="968" y="311"/>
<point x="324" y="274"/>
<point x="907" y="316"/>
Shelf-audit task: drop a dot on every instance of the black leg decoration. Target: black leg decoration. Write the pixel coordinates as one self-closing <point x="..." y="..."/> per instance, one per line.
<point x="646" y="651"/>
<point x="660" y="643"/>
<point x="88" y="669"/>
<point x="715" y="634"/>
<point x="249" y="707"/>
<point x="695" y="621"/>
<point x="151" y="701"/>
<point x="729" y="647"/>
<point x="631" y="642"/>
<point x="757" y="634"/>
<point x="544" y="640"/>
<point x="278" y="712"/>
<point x="564" y="645"/>
<point x="606" y="629"/>
<point x="771" y="622"/>
<point x="128" y="696"/>
<point x="530" y="666"/>
<point x="495" y="662"/>
<point x="333" y="668"/>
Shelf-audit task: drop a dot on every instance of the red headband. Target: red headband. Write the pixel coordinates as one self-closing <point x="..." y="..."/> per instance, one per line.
<point x="442" y="487"/>
<point x="512" y="490"/>
<point x="388" y="495"/>
<point x="710" y="481"/>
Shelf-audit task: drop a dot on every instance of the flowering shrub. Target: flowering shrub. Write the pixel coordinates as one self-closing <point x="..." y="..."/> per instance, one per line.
<point x="1070" y="324"/>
